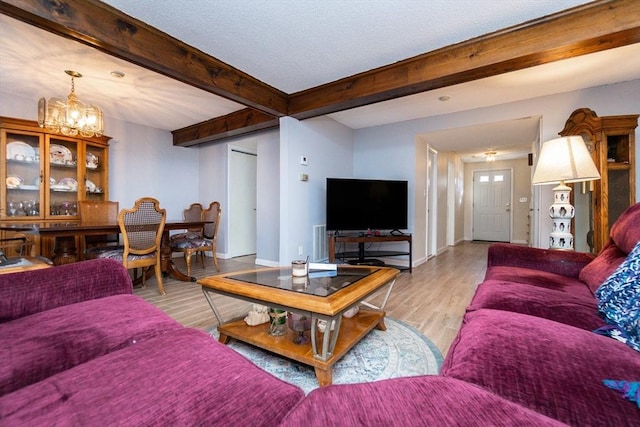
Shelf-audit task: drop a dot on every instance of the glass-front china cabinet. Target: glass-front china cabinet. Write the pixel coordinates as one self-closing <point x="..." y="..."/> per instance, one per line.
<point x="45" y="175"/>
<point x="611" y="141"/>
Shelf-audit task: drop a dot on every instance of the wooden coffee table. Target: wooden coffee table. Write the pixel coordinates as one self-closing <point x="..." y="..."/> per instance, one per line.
<point x="325" y="296"/>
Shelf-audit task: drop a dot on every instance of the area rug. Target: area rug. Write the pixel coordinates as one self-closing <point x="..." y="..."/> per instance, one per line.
<point x="400" y="351"/>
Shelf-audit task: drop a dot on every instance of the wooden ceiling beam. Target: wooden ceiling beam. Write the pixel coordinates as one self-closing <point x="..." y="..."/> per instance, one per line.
<point x="582" y="30"/>
<point x="109" y="30"/>
<point x="234" y="124"/>
<point x="585" y="29"/>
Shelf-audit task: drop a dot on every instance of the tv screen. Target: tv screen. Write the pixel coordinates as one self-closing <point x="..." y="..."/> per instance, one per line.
<point x="366" y="204"/>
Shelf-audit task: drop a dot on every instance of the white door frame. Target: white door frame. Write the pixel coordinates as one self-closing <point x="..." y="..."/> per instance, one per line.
<point x="431" y="237"/>
<point x="451" y="203"/>
<point x="231" y="195"/>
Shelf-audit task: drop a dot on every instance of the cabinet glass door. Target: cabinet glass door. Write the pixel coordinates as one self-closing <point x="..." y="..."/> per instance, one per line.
<point x="23" y="177"/>
<point x="95" y="173"/>
<point x="63" y="177"/>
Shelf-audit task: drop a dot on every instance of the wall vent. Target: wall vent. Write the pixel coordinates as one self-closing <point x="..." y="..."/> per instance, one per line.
<point x="320" y="252"/>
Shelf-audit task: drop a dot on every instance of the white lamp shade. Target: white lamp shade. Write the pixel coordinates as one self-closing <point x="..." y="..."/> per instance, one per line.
<point x="565" y="159"/>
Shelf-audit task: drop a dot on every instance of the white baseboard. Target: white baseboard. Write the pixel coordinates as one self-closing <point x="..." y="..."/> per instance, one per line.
<point x="267" y="263"/>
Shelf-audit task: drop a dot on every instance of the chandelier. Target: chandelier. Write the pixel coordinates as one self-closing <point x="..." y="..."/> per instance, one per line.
<point x="490" y="156"/>
<point x="71" y="116"/>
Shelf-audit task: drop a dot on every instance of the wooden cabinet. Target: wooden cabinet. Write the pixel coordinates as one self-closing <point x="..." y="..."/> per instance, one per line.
<point x="45" y="175"/>
<point x="611" y="141"/>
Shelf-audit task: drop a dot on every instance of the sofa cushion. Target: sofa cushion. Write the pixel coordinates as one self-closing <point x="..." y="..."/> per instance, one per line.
<point x="597" y="271"/>
<point x="625" y="231"/>
<point x="624" y="235"/>
<point x="554" y="369"/>
<point x="179" y="378"/>
<point x="619" y="298"/>
<point x="410" y="401"/>
<point x="35" y="347"/>
<point x="33" y="291"/>
<point x="544" y="279"/>
<point x="575" y="309"/>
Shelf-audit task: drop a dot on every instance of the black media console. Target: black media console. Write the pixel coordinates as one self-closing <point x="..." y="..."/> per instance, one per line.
<point x="364" y="257"/>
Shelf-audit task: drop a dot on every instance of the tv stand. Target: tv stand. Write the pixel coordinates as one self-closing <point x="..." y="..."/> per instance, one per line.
<point x="364" y="257"/>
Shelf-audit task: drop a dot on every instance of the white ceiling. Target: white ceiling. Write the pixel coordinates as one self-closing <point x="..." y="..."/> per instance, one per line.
<point x="293" y="45"/>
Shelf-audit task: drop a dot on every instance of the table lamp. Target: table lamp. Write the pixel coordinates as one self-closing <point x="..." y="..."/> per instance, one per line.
<point x="563" y="160"/>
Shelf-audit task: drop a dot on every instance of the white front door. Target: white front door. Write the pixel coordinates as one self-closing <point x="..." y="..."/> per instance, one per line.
<point x="492" y="205"/>
<point x="242" y="202"/>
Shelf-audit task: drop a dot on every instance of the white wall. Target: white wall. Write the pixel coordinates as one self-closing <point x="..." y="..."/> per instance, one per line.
<point x="387" y="151"/>
<point x="143" y="162"/>
<point x="328" y="146"/>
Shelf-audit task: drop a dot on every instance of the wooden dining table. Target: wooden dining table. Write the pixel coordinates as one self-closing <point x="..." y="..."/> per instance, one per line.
<point x="64" y="233"/>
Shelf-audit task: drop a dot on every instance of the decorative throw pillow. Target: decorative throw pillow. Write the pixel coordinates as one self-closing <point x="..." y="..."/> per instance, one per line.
<point x="619" y="299"/>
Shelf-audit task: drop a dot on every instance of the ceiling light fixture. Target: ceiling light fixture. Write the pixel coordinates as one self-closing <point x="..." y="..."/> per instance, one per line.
<point x="490" y="156"/>
<point x="70" y="117"/>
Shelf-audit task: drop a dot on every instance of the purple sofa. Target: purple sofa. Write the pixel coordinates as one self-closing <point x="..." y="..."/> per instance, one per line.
<point x="528" y="334"/>
<point x="77" y="348"/>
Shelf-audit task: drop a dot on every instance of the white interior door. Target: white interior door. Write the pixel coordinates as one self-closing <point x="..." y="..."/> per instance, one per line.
<point x="492" y="205"/>
<point x="242" y="202"/>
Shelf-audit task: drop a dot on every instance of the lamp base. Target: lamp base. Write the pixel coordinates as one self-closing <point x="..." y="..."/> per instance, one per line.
<point x="561" y="211"/>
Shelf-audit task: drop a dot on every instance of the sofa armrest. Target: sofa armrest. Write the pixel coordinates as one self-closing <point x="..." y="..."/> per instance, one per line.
<point x="29" y="292"/>
<point x="566" y="263"/>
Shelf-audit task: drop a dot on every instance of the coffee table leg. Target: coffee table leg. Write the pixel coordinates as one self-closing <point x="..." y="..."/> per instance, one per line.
<point x="212" y="305"/>
<point x="381" y="326"/>
<point x="224" y="339"/>
<point x="325" y="378"/>
<point x="329" y="337"/>
<point x="384" y="301"/>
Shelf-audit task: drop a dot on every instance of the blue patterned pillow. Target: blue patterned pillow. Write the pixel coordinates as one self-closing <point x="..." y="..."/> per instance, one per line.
<point x="619" y="299"/>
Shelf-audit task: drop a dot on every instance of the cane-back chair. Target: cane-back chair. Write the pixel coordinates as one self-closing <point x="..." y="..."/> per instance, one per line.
<point x="193" y="213"/>
<point x="189" y="244"/>
<point x="141" y="228"/>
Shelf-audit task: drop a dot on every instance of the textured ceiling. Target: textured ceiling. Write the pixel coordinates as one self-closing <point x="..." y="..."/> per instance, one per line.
<point x="297" y="44"/>
<point x="294" y="45"/>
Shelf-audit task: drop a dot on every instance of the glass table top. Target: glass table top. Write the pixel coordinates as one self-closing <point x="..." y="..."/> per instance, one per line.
<point x="318" y="282"/>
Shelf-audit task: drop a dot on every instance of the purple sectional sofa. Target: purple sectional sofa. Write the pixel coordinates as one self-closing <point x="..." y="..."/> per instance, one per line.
<point x="77" y="348"/>
<point x="528" y="334"/>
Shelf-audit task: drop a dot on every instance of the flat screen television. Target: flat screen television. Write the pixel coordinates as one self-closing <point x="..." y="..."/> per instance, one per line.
<point x="366" y="204"/>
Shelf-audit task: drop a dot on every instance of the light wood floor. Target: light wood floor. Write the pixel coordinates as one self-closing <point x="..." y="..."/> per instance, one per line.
<point x="432" y="299"/>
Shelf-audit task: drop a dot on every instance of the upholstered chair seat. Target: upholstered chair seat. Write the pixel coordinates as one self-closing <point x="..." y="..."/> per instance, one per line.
<point x="202" y="240"/>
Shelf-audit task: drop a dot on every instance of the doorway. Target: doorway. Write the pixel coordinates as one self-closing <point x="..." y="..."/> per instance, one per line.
<point x="492" y="205"/>
<point x="242" y="214"/>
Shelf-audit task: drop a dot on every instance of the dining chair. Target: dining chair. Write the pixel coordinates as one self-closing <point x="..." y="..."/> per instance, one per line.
<point x="190" y="245"/>
<point x="193" y="213"/>
<point x="97" y="212"/>
<point x="141" y="228"/>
